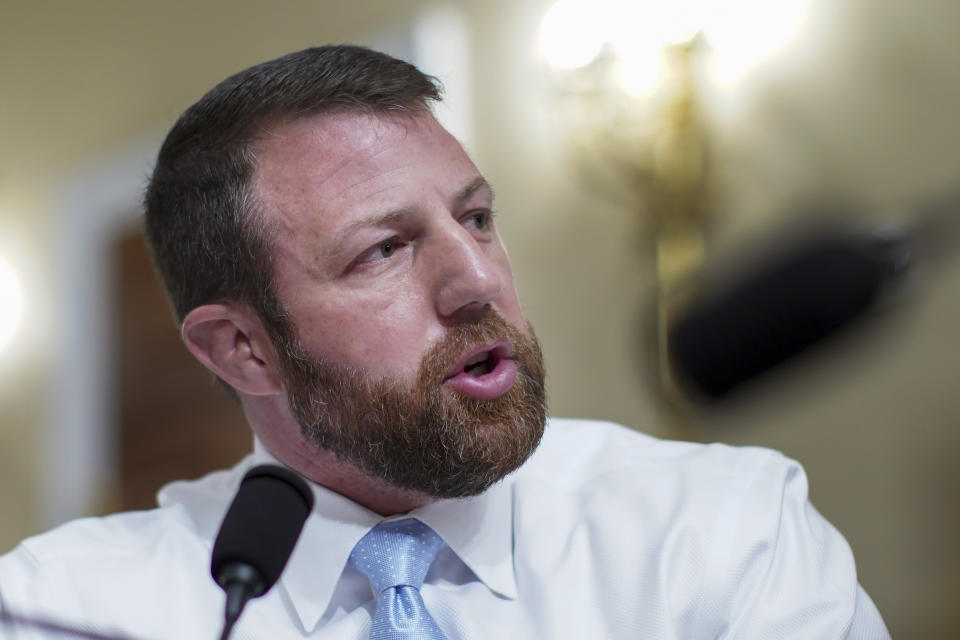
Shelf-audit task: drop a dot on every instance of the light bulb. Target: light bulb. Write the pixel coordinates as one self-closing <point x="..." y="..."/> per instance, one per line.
<point x="573" y="33"/>
<point x="10" y="302"/>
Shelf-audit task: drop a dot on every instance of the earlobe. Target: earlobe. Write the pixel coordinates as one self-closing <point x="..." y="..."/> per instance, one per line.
<point x="232" y="343"/>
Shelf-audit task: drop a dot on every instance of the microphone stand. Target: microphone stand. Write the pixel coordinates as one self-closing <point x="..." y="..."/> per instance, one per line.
<point x="241" y="582"/>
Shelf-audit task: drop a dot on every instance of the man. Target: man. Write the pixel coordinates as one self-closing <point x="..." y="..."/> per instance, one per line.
<point x="331" y="254"/>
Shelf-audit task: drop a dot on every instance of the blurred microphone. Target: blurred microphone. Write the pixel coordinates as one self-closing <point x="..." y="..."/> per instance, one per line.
<point x="780" y="305"/>
<point x="257" y="536"/>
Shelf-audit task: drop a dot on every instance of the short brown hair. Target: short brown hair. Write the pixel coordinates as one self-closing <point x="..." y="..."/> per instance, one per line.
<point x="202" y="222"/>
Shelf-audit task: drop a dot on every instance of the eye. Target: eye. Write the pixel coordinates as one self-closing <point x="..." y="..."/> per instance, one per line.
<point x="378" y="254"/>
<point x="387" y="248"/>
<point x="479" y="220"/>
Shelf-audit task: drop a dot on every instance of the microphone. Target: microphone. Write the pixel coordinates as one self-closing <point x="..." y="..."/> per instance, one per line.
<point x="780" y="305"/>
<point x="257" y="536"/>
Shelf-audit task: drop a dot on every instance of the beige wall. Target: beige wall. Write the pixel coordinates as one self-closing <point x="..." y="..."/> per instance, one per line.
<point x="871" y="114"/>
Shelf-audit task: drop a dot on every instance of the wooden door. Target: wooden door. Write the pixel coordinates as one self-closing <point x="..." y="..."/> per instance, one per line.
<point x="174" y="419"/>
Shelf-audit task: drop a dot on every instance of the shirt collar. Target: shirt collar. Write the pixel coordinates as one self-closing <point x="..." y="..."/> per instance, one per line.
<point x="478" y="529"/>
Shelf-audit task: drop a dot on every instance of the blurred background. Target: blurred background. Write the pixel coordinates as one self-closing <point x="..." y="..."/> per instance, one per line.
<point x="637" y="151"/>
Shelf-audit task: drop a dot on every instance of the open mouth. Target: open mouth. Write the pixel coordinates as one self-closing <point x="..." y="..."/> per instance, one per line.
<point x="481" y="361"/>
<point x="481" y="364"/>
<point x="483" y="373"/>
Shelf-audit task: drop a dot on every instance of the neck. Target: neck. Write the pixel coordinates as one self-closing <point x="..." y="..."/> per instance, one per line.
<point x="280" y="433"/>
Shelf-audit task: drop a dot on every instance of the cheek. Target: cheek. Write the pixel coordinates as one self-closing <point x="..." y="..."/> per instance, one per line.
<point x="380" y="335"/>
<point x="511" y="310"/>
<point x="509" y="300"/>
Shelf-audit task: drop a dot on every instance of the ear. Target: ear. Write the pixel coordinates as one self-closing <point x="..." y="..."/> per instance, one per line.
<point x="231" y="341"/>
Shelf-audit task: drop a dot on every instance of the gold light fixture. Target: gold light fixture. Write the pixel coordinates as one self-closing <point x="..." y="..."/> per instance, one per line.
<point x="628" y="77"/>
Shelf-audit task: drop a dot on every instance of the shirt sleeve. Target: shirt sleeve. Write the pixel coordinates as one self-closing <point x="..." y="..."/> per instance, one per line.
<point x="794" y="575"/>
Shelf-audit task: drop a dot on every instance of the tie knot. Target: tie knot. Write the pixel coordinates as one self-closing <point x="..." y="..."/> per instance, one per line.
<point x="396" y="553"/>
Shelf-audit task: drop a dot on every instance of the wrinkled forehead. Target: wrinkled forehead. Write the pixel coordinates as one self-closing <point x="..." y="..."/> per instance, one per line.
<point x="323" y="145"/>
<point x="315" y="175"/>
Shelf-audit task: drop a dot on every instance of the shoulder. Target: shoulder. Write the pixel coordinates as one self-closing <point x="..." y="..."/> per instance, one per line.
<point x="108" y="573"/>
<point x="118" y="535"/>
<point x="103" y="549"/>
<point x="576" y="453"/>
<point x="112" y="571"/>
<point x="683" y="524"/>
<point x="721" y="501"/>
<point x="188" y="514"/>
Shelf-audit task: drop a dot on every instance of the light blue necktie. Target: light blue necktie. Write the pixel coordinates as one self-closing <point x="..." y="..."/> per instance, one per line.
<point x="395" y="557"/>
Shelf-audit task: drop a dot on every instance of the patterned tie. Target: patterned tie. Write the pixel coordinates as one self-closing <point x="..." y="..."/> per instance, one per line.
<point x="395" y="557"/>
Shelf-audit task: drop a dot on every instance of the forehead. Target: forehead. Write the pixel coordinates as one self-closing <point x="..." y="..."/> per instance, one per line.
<point x="319" y="173"/>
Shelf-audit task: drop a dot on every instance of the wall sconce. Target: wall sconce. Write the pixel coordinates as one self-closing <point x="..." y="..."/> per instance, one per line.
<point x="629" y="77"/>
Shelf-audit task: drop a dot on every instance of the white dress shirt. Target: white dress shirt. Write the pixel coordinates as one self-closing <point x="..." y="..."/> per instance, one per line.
<point x="603" y="533"/>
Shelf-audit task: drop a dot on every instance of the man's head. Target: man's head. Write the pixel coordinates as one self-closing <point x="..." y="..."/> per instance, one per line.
<point x="207" y="233"/>
<point x="330" y="251"/>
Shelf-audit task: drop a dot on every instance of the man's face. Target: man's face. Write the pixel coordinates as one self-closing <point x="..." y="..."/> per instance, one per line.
<point x="413" y="360"/>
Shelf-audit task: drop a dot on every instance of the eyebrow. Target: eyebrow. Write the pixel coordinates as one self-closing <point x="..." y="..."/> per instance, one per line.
<point x="464" y="194"/>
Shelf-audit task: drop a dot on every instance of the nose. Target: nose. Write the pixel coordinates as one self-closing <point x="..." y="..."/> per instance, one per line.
<point x="467" y="274"/>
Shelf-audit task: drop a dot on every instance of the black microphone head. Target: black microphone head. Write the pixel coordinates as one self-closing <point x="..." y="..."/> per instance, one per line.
<point x="262" y="525"/>
<point x="780" y="307"/>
